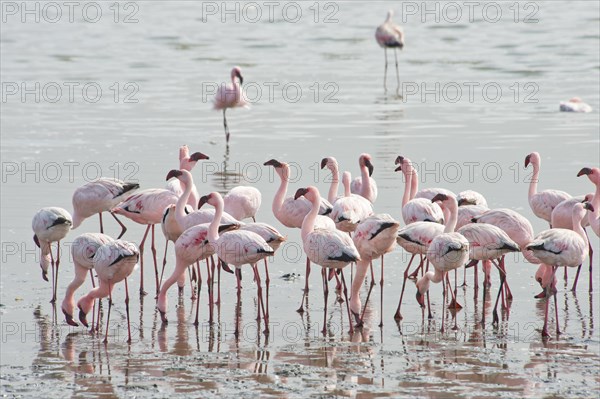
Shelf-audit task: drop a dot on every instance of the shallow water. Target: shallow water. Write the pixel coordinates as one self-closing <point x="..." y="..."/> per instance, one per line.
<point x="168" y="61"/>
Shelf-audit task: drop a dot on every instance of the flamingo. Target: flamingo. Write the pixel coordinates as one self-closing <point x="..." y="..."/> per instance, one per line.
<point x="542" y="276"/>
<point x="230" y="96"/>
<point x="83" y="250"/>
<point x="593" y="216"/>
<point x="374" y="237"/>
<point x="191" y="246"/>
<point x="416" y="209"/>
<point x="390" y="35"/>
<point x="186" y="162"/>
<point x="561" y="217"/>
<point x="113" y="263"/>
<point x="242" y="202"/>
<point x="349" y="210"/>
<point x="542" y="203"/>
<point x="147" y="207"/>
<point x="328" y="248"/>
<point x="50" y="225"/>
<point x="466" y="213"/>
<point x="237" y="248"/>
<point x="365" y="185"/>
<point x="448" y="251"/>
<point x="575" y="104"/>
<point x="332" y="164"/>
<point x="470" y="197"/>
<point x="100" y="196"/>
<point x="488" y="243"/>
<point x="561" y="247"/>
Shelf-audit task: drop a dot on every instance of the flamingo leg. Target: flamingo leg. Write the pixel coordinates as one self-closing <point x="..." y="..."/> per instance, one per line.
<point x="591" y="256"/>
<point x="142" y="292"/>
<point x="398" y="315"/>
<point x="345" y="290"/>
<point x="495" y="318"/>
<point x="549" y="291"/>
<point x="94" y="307"/>
<point x="464" y="284"/>
<point x="429" y="316"/>
<point x="381" y="296"/>
<point x="507" y="290"/>
<point x="385" y="70"/>
<point x="239" y="305"/>
<point x="415" y="274"/>
<point x="164" y="263"/>
<point x="123" y="228"/>
<point x="225" y="126"/>
<point x="476" y="280"/>
<point x="556" y="314"/>
<point x="199" y="288"/>
<point x="101" y="225"/>
<point x="209" y="282"/>
<point x="301" y="308"/>
<point x="127" y="311"/>
<point x="325" y="297"/>
<point x="267" y="285"/>
<point x="260" y="297"/>
<point x="397" y="71"/>
<point x="53" y="299"/>
<point x="443" y="301"/>
<point x="153" y="249"/>
<point x="108" y="316"/>
<point x="212" y="265"/>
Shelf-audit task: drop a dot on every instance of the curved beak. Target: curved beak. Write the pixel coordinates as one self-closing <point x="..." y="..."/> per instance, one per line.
<point x="398" y="169"/>
<point x="300" y="192"/>
<point x="203" y="200"/>
<point x="420" y="299"/>
<point x="439" y="197"/>
<point x="399" y="160"/>
<point x="69" y="319"/>
<point x="527" y="160"/>
<point x="83" y="318"/>
<point x="240" y="77"/>
<point x="588" y="206"/>
<point x="272" y="162"/>
<point x="36" y="240"/>
<point x="369" y="165"/>
<point x="584" y="171"/>
<point x="173" y="173"/>
<point x="197" y="156"/>
<point x="226" y="267"/>
<point x="323" y="162"/>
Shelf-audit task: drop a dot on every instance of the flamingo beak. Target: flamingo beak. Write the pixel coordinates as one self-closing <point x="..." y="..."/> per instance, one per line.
<point x="527" y="160"/>
<point x="203" y="200"/>
<point x="584" y="171"/>
<point x="439" y="197"/>
<point x="69" y="319"/>
<point x="197" y="156"/>
<point x="369" y="165"/>
<point x="399" y="160"/>
<point x="323" y="162"/>
<point x="83" y="318"/>
<point x="274" y="163"/>
<point x="45" y="274"/>
<point x="173" y="173"/>
<point x="589" y="207"/>
<point x="300" y="192"/>
<point x="398" y="169"/>
<point x="240" y="77"/>
<point x="226" y="267"/>
<point x="421" y="299"/>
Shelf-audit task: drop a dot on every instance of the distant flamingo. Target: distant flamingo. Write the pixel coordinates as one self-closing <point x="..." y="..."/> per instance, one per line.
<point x="238" y="248"/>
<point x="83" y="250"/>
<point x="390" y="35"/>
<point x="488" y="243"/>
<point x="447" y="252"/>
<point x="186" y="162"/>
<point x="113" y="263"/>
<point x="374" y="237"/>
<point x="242" y="202"/>
<point x="593" y="216"/>
<point x="349" y="210"/>
<point x="470" y="197"/>
<point x="230" y="96"/>
<point x="147" y="207"/>
<point x="328" y="248"/>
<point x="575" y="104"/>
<point x="542" y="203"/>
<point x="100" y="196"/>
<point x="561" y="247"/>
<point x="50" y="225"/>
<point x="365" y="185"/>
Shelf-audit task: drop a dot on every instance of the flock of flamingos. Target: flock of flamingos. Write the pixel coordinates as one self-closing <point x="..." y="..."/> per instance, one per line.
<point x="442" y="230"/>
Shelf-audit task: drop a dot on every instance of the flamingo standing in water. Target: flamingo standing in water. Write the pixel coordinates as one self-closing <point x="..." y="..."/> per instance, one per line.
<point x="365" y="185"/>
<point x="238" y="247"/>
<point x="113" y="263"/>
<point x="593" y="216"/>
<point x="374" y="237"/>
<point x="83" y="250"/>
<point x="230" y="96"/>
<point x="349" y="210"/>
<point x="50" y="225"/>
<point x="100" y="196"/>
<point x="326" y="247"/>
<point x="561" y="247"/>
<point x="561" y="217"/>
<point x="447" y="252"/>
<point x="390" y="35"/>
<point x="147" y="207"/>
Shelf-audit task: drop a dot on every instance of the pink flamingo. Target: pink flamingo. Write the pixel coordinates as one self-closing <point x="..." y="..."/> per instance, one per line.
<point x="332" y="164"/>
<point x="374" y="237"/>
<point x="390" y="35"/>
<point x="365" y="185"/>
<point x="561" y="217"/>
<point x="593" y="216"/>
<point x="575" y="104"/>
<point x="230" y="96"/>
<point x="147" y="207"/>
<point x="448" y="251"/>
<point x="237" y="248"/>
<point x="349" y="210"/>
<point x="113" y="263"/>
<point x="242" y="202"/>
<point x="50" y="225"/>
<point x="488" y="243"/>
<point x="470" y="197"/>
<point x="186" y="162"/>
<point x="466" y="213"/>
<point x="100" y="196"/>
<point x="543" y="275"/>
<point x="542" y="203"/>
<point x="328" y="248"/>
<point x="83" y="250"/>
<point x="561" y="247"/>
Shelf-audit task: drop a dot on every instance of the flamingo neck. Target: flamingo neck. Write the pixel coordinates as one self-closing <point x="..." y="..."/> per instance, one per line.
<point x="414" y="184"/>
<point x="280" y="194"/>
<point x="213" y="228"/>
<point x="591" y="215"/>
<point x="333" y="188"/>
<point x="577" y="227"/>
<point x="430" y="277"/>
<point x="182" y="201"/>
<point x="366" y="182"/>
<point x="407" y="188"/>
<point x="453" y="218"/>
<point x="534" y="180"/>
<point x="346" y="183"/>
<point x="308" y="224"/>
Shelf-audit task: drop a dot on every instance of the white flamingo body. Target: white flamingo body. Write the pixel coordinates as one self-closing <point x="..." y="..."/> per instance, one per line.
<point x="487" y="241"/>
<point x="388" y="34"/>
<point x="349" y="210"/>
<point x="416" y="237"/>
<point x="375" y="235"/>
<point x="242" y="202"/>
<point x="146" y="206"/>
<point x="470" y="197"/>
<point x="268" y="233"/>
<point x="467" y="212"/>
<point x="575" y="104"/>
<point x="562" y="214"/>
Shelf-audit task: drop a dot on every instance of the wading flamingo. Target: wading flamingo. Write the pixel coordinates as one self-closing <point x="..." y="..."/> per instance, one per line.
<point x="242" y="202"/>
<point x="349" y="210"/>
<point x="593" y="216"/>
<point x="390" y="35"/>
<point x="230" y="96"/>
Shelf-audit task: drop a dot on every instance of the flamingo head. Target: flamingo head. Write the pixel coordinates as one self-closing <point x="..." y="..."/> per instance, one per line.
<point x="588" y="206"/>
<point x="439" y="197"/>
<point x="282" y="168"/>
<point x="592" y="173"/>
<point x="533" y="158"/>
<point x="330" y="162"/>
<point x="211" y="199"/>
<point x="236" y="72"/>
<point x="300" y="192"/>
<point x="421" y="290"/>
<point x="576" y="100"/>
<point x="274" y="163"/>
<point x="365" y="160"/>
<point x="197" y="156"/>
<point x="588" y="197"/>
<point x="174" y="173"/>
<point x="390" y="14"/>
